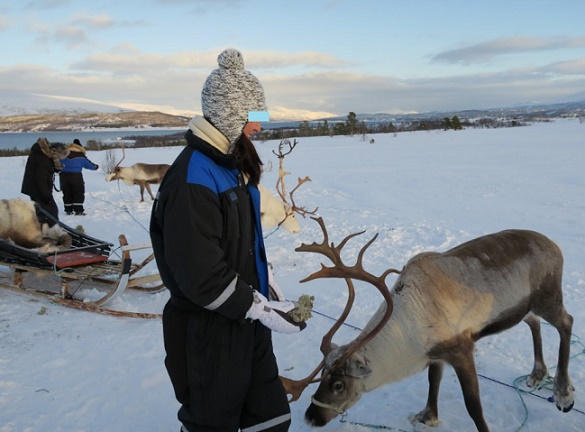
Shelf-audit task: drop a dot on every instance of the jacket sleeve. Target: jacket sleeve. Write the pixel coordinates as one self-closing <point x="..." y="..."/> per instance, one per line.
<point x="188" y="223"/>
<point x="87" y="164"/>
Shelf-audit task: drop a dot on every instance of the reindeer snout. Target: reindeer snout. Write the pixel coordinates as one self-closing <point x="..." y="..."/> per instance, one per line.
<point x="314" y="416"/>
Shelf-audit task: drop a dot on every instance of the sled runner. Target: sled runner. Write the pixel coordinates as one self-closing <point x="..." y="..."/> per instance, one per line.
<point x="89" y="262"/>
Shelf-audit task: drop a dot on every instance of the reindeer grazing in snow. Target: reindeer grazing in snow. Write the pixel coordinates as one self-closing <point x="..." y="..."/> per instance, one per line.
<point x="439" y="306"/>
<point x="140" y="174"/>
<point x="19" y="224"/>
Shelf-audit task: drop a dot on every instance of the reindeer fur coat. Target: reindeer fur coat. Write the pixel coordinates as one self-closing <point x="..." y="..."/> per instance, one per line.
<point x="41" y="165"/>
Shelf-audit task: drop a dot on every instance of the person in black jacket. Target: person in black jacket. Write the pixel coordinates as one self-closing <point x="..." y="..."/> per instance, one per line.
<point x="71" y="178"/>
<point x="207" y="241"/>
<point x="39" y="173"/>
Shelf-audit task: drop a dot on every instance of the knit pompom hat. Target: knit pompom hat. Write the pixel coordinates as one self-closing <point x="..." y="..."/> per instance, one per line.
<point x="229" y="93"/>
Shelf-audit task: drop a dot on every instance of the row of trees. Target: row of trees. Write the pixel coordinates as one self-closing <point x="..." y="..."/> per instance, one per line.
<point x="352" y="126"/>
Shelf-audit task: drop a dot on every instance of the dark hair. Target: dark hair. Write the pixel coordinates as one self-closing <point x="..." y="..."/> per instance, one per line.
<point x="248" y="160"/>
<point x="76" y="141"/>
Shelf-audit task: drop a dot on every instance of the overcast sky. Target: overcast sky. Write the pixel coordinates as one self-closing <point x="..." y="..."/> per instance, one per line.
<point x="315" y="58"/>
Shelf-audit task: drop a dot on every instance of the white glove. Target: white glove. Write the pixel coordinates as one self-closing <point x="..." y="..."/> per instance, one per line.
<point x="273" y="314"/>
<point x="275" y="293"/>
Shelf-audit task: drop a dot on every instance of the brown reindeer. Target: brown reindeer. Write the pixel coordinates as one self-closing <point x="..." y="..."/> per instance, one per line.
<point x="140" y="174"/>
<point x="440" y="305"/>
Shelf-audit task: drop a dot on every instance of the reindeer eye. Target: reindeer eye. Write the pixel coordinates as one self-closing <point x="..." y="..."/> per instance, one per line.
<point x="338" y="386"/>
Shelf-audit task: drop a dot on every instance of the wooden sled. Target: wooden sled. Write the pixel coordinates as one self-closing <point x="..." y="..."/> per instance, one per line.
<point x="88" y="260"/>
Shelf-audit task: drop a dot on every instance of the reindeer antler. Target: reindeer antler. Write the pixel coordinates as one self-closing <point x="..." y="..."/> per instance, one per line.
<point x="281" y="172"/>
<point x="282" y="144"/>
<point x="280" y="185"/>
<point x="123" y="157"/>
<point x="340" y="270"/>
<point x="300" y="210"/>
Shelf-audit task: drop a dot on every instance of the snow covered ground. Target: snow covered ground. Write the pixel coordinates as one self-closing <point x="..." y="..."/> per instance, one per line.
<point x="68" y="370"/>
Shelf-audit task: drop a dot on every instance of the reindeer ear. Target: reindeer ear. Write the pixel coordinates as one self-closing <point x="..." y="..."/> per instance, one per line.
<point x="357" y="369"/>
<point x="333" y="355"/>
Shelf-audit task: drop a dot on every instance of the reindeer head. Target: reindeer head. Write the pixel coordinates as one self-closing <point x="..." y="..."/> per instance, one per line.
<point x="274" y="212"/>
<point x="343" y="368"/>
<point x="340" y="389"/>
<point x="290" y="221"/>
<point x="114" y="174"/>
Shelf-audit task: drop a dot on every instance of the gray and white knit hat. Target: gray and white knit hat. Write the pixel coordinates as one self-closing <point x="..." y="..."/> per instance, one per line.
<point x="229" y="93"/>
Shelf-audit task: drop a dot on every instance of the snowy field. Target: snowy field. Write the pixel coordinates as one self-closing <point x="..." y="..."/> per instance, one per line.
<point x="64" y="370"/>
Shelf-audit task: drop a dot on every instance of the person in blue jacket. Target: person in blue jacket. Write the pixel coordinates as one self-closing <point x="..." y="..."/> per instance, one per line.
<point x="207" y="240"/>
<point x="71" y="178"/>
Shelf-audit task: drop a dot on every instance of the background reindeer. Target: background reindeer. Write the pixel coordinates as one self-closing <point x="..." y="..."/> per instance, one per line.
<point x="274" y="212"/>
<point x="441" y="304"/>
<point x="140" y="174"/>
<point x="19" y="224"/>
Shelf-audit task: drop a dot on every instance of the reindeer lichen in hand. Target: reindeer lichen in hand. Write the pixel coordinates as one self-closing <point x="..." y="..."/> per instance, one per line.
<point x="303" y="307"/>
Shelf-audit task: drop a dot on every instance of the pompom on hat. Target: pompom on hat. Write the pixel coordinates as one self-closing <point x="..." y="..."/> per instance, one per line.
<point x="229" y="93"/>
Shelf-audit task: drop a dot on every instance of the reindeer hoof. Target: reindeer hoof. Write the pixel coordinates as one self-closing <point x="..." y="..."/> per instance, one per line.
<point x="565" y="400"/>
<point x="567" y="408"/>
<point x="425" y="417"/>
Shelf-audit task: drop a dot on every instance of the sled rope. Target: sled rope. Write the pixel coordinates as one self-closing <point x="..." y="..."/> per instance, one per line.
<point x="272" y="232"/>
<point x="545" y="384"/>
<point x="123" y="208"/>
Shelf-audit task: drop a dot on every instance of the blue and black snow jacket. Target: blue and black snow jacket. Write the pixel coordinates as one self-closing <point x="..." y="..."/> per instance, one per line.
<point x="76" y="160"/>
<point x="206" y="233"/>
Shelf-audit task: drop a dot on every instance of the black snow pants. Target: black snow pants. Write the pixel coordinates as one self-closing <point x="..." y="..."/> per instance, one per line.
<point x="73" y="188"/>
<point x="224" y="373"/>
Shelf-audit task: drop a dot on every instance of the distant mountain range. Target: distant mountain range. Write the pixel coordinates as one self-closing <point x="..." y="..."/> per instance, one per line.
<point x="38" y="113"/>
<point x="88" y="121"/>
<point x="525" y="112"/>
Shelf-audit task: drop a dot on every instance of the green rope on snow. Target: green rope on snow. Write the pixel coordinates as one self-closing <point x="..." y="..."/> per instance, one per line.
<point x="547" y="383"/>
<point x="368" y="425"/>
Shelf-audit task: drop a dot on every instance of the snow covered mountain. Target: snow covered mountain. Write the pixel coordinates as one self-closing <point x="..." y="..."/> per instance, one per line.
<point x="18" y="103"/>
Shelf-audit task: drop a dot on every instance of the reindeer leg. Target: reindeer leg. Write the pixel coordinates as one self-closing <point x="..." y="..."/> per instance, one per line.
<point x="563" y="388"/>
<point x="430" y="414"/>
<point x="461" y="358"/>
<point x="149" y="190"/>
<point x="552" y="310"/>
<point x="539" y="370"/>
<point x="141" y="184"/>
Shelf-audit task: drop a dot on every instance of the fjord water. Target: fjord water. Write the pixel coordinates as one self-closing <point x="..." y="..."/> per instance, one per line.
<point x="25" y="140"/>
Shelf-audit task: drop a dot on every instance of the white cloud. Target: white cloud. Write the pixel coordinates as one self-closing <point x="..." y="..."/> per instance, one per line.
<point x="4" y="22"/>
<point x="486" y="51"/>
<point x="176" y="89"/>
<point x="94" y="20"/>
<point x="127" y="59"/>
<point x="569" y="67"/>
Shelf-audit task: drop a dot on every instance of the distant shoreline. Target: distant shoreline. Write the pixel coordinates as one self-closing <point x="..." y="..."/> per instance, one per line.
<point x="24" y="140"/>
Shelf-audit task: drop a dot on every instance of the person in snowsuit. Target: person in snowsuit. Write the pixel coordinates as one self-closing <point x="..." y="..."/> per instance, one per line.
<point x="207" y="241"/>
<point x="42" y="163"/>
<point x="71" y="178"/>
